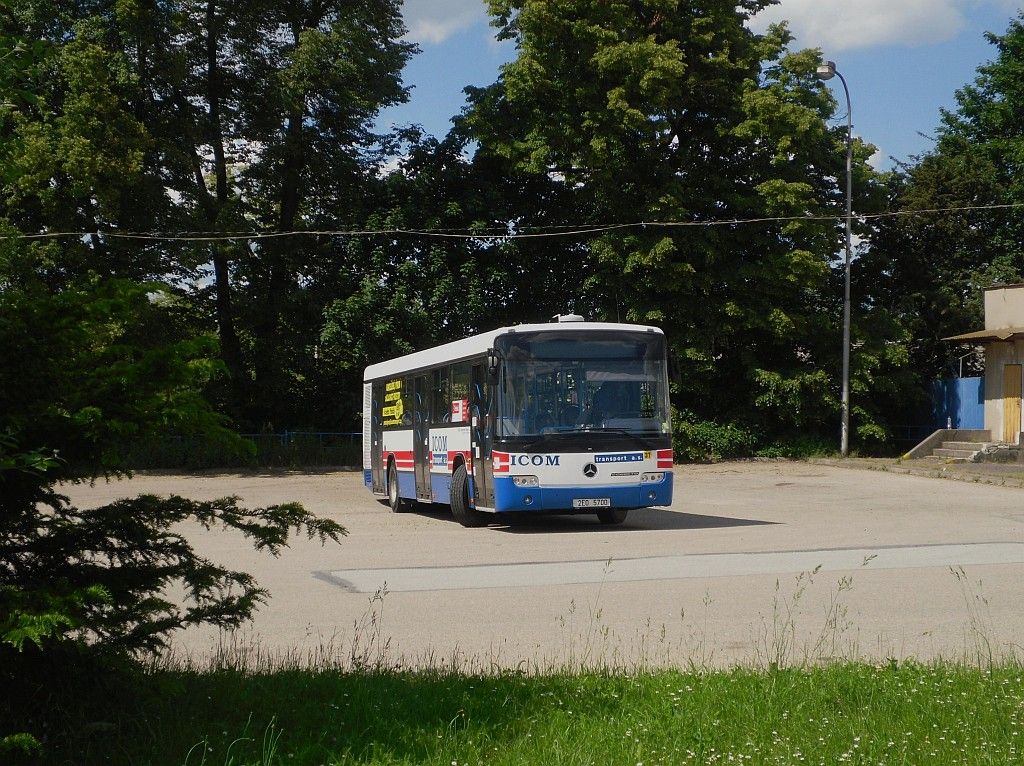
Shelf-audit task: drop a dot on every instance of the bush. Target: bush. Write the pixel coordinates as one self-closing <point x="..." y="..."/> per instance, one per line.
<point x="704" y="441"/>
<point x="798" y="447"/>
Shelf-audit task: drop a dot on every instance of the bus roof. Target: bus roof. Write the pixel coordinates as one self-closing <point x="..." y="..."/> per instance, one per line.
<point x="479" y="344"/>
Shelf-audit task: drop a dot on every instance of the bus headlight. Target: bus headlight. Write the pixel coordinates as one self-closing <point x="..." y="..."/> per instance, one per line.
<point x="526" y="481"/>
<point x="652" y="478"/>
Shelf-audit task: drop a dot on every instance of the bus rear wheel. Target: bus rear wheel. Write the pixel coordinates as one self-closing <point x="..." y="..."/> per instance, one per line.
<point x="463" y="514"/>
<point x="612" y="516"/>
<point x="397" y="502"/>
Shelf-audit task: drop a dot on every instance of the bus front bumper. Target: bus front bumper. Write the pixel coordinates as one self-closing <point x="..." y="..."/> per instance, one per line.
<point x="508" y="497"/>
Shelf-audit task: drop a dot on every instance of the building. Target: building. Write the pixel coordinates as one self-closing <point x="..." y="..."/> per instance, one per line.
<point x="1003" y="344"/>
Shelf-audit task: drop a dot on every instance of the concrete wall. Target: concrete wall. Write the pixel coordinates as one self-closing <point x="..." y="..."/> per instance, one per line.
<point x="997" y="355"/>
<point x="1004" y="307"/>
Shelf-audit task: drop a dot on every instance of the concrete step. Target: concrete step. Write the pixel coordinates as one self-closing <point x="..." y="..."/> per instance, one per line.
<point x="945" y="460"/>
<point x="973" y="446"/>
<point x="963" y="454"/>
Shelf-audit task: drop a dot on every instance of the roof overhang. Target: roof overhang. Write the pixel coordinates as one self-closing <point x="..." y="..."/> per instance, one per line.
<point x="1000" y="333"/>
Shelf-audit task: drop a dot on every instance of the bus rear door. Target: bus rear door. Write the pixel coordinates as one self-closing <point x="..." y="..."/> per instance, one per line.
<point x="421" y="436"/>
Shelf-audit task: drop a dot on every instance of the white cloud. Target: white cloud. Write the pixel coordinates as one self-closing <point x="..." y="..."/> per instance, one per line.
<point x="833" y="25"/>
<point x="836" y="25"/>
<point x="434" y="21"/>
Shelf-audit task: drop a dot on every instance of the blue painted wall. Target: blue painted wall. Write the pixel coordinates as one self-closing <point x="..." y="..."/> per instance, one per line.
<point x="961" y="400"/>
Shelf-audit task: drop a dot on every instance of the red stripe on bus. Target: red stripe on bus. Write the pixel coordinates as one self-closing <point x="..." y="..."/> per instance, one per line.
<point x="454" y="453"/>
<point x="500" y="462"/>
<point x="403" y="459"/>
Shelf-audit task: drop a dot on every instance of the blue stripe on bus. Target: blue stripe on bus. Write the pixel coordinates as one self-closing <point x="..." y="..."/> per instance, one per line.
<point x="441" y="487"/>
<point x="407" y="484"/>
<point x="508" y="497"/>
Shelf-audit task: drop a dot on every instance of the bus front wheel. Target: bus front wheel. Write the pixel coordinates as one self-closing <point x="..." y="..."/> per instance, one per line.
<point x="612" y="516"/>
<point x="463" y="514"/>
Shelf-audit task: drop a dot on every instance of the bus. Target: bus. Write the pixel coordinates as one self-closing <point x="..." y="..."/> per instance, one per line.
<point x="568" y="417"/>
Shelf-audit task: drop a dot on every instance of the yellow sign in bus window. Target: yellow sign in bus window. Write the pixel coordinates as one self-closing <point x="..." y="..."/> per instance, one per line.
<point x="394" y="409"/>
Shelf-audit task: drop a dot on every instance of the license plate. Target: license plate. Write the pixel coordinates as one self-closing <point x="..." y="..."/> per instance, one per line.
<point x="592" y="502"/>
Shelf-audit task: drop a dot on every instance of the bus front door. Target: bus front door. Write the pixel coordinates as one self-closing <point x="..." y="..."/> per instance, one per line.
<point x="482" y="409"/>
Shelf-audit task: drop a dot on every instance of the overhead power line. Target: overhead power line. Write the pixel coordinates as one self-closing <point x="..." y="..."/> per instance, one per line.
<point x="531" y="232"/>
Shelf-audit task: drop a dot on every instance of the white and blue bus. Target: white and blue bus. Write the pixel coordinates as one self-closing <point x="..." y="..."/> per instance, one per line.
<point x="565" y="417"/>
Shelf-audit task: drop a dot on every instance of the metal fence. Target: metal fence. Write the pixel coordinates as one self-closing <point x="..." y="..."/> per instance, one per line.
<point x="288" y="449"/>
<point x="906" y="437"/>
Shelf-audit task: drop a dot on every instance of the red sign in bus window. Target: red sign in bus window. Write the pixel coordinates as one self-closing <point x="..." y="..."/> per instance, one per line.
<point x="460" y="410"/>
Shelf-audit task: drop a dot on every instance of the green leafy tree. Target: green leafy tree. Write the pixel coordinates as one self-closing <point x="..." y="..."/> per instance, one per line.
<point x="99" y="366"/>
<point x="91" y="364"/>
<point x="213" y="117"/>
<point x="72" y="154"/>
<point x="100" y="369"/>
<point x="675" y="111"/>
<point x="923" y="275"/>
<point x="403" y="293"/>
<point x="986" y="128"/>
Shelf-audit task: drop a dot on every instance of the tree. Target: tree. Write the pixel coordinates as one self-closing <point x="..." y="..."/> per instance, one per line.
<point x="401" y="292"/>
<point x="99" y="366"/>
<point x="923" y="275"/>
<point x="242" y="116"/>
<point x="91" y="363"/>
<point x="926" y="271"/>
<point x="675" y="111"/>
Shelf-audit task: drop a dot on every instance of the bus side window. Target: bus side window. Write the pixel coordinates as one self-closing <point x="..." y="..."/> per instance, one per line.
<point x="475" y="416"/>
<point x="377" y="407"/>
<point x="408" y="402"/>
<point x="441" y="412"/>
<point x="460" y="382"/>
<point x="483" y="412"/>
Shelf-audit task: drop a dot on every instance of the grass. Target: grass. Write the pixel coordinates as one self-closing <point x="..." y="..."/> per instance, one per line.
<point x="357" y="704"/>
<point x="842" y="713"/>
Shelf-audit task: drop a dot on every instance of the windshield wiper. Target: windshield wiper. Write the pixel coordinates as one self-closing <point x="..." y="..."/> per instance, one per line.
<point x="558" y="436"/>
<point x="553" y="435"/>
<point x="602" y="429"/>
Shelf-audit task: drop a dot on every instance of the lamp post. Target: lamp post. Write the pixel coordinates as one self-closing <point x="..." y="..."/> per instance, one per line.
<point x="827" y="71"/>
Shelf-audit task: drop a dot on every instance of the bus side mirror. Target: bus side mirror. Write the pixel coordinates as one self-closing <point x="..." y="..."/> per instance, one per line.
<point x="492" y="365"/>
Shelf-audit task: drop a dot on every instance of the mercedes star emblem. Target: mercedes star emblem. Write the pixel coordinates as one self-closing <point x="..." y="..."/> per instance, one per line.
<point x="590" y="470"/>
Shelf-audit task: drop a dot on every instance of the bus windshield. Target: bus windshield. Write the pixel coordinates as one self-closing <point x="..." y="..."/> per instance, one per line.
<point x="582" y="382"/>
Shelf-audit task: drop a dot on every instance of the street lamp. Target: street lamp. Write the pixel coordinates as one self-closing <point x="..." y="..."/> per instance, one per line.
<point x="827" y="71"/>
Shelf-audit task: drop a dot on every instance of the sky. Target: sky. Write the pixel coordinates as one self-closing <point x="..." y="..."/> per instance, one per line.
<point x="903" y="60"/>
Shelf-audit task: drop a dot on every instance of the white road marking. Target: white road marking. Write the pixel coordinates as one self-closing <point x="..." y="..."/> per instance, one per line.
<point x="674" y="567"/>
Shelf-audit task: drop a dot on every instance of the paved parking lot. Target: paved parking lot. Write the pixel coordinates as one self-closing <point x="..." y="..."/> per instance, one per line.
<point x="753" y="562"/>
